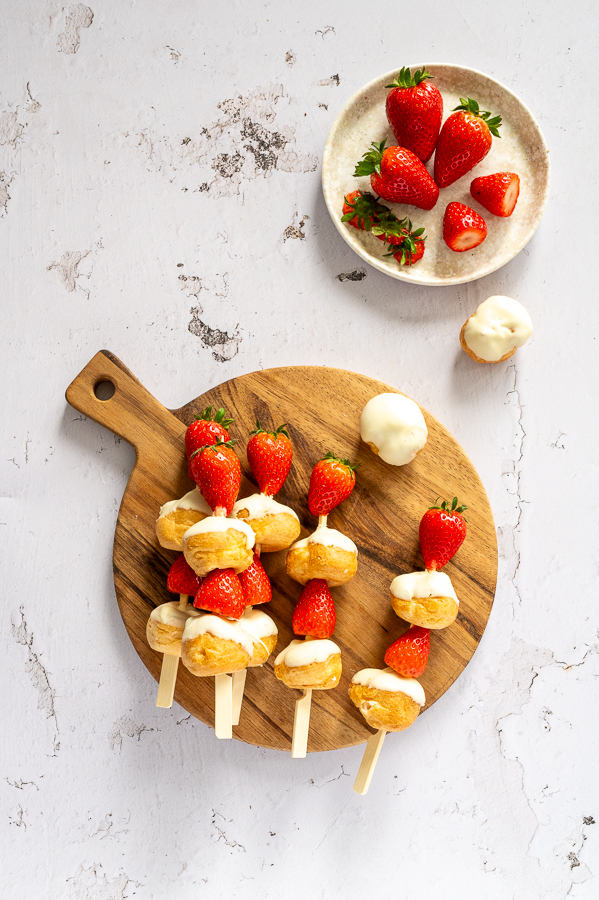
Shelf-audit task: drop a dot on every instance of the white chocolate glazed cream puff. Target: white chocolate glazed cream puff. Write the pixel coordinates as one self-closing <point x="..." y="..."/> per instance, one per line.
<point x="498" y="327"/>
<point x="394" y="428"/>
<point x="177" y="516"/>
<point x="326" y="554"/>
<point x="314" y="664"/>
<point x="219" y="543"/>
<point x="425" y="598"/>
<point x="212" y="645"/>
<point x="263" y="631"/>
<point x="386" y="700"/>
<point x="276" y="526"/>
<point x="164" y="630"/>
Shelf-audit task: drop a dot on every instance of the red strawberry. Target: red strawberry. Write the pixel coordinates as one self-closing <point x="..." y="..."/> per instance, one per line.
<point x="409" y="654"/>
<point x="331" y="482"/>
<point x="217" y="472"/>
<point x="255" y="583"/>
<point x="463" y="229"/>
<point x="407" y="246"/>
<point x="206" y="429"/>
<point x="498" y="193"/>
<point x="269" y="455"/>
<point x="465" y="139"/>
<point x="182" y="579"/>
<point x="314" y="612"/>
<point x="396" y="174"/>
<point x="361" y="210"/>
<point x="415" y="111"/>
<point x="442" y="532"/>
<point x="221" y="592"/>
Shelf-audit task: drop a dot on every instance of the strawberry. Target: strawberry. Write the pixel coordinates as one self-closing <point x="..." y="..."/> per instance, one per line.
<point x="256" y="583"/>
<point x="498" y="193"/>
<point x="409" y="654"/>
<point x="314" y="614"/>
<point x="206" y="429"/>
<point x="361" y="210"/>
<point x="331" y="482"/>
<point x="217" y="472"/>
<point x="463" y="229"/>
<point x="465" y="139"/>
<point x="442" y="532"/>
<point x="397" y="175"/>
<point x="269" y="455"/>
<point x="407" y="246"/>
<point x="182" y="579"/>
<point x="415" y="111"/>
<point x="221" y="592"/>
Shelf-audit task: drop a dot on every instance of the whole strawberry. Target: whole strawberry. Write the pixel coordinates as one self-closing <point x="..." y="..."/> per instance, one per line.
<point x="465" y="140"/>
<point x="206" y="429"/>
<point x="361" y="210"/>
<point x="409" y="654"/>
<point x="217" y="473"/>
<point x="182" y="579"/>
<point x="442" y="532"/>
<point x="463" y="228"/>
<point x="331" y="482"/>
<point x="269" y="455"/>
<point x="221" y="593"/>
<point x="314" y="614"/>
<point x="498" y="193"/>
<point x="415" y="111"/>
<point x="397" y="175"/>
<point x="256" y="583"/>
<point x="406" y="244"/>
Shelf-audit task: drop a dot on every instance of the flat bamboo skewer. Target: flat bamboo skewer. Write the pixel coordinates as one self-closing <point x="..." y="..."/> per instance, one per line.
<point x="223" y="706"/>
<point x="238" y="689"/>
<point x="369" y="761"/>
<point x="301" y="725"/>
<point x="169" y="669"/>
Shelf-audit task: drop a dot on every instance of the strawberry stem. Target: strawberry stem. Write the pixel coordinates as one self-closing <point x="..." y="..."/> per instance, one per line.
<point x="371" y="160"/>
<point x="405" y="79"/>
<point x="282" y="429"/>
<point x="467" y="104"/>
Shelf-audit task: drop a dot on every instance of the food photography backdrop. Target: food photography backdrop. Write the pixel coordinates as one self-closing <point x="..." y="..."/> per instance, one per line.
<point x="161" y="197"/>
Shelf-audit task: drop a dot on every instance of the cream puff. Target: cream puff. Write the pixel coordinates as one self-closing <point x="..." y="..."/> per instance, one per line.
<point x="219" y="543"/>
<point x="394" y="428"/>
<point x="212" y="645"/>
<point x="386" y="700"/>
<point x="498" y="327"/>
<point x="263" y="632"/>
<point x="310" y="664"/>
<point x="276" y="526"/>
<point x="425" y="598"/>
<point x="177" y="516"/>
<point x="164" y="630"/>
<point x="326" y="554"/>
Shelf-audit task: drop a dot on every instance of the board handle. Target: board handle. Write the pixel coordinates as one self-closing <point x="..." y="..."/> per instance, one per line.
<point x="131" y="412"/>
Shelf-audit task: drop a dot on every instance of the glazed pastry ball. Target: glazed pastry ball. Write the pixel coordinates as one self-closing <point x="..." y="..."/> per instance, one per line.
<point x="326" y="554"/>
<point x="164" y="630"/>
<point x="219" y="543"/>
<point x="314" y="664"/>
<point x="263" y="632"/>
<point x="394" y="428"/>
<point x="386" y="700"/>
<point x="212" y="645"/>
<point x="177" y="516"/>
<point x="276" y="526"/>
<point x="498" y="327"/>
<point x="425" y="598"/>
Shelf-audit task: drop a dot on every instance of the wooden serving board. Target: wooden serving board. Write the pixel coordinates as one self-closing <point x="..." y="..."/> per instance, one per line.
<point x="322" y="407"/>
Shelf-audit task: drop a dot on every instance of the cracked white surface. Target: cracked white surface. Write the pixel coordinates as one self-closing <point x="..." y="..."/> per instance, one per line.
<point x="492" y="793"/>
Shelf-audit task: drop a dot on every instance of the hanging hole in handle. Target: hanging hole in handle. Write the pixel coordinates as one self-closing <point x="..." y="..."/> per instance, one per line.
<point x="104" y="390"/>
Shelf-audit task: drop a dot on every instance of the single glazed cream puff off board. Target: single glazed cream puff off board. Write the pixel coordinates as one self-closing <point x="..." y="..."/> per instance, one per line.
<point x="381" y="517"/>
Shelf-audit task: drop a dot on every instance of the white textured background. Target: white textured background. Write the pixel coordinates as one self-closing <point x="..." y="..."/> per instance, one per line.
<point x="160" y="196"/>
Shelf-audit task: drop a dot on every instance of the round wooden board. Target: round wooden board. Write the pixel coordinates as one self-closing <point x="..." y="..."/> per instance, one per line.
<point x="322" y="407"/>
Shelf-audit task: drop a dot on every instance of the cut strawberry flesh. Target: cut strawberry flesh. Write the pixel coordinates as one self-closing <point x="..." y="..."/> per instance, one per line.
<point x="467" y="239"/>
<point x="511" y="197"/>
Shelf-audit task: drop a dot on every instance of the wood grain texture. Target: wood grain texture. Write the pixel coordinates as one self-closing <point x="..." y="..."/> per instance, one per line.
<point x="322" y="407"/>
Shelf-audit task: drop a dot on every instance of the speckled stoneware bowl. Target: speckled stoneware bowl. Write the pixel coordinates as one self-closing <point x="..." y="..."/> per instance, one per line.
<point x="521" y="149"/>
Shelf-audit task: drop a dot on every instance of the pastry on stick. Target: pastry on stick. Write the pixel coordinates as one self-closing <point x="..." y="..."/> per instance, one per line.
<point x="263" y="632"/>
<point x="276" y="526"/>
<point x="213" y="645"/>
<point x="205" y="430"/>
<point x="495" y="331"/>
<point x="325" y="554"/>
<point x="164" y="630"/>
<point x="219" y="543"/>
<point x="309" y="665"/>
<point x="386" y="700"/>
<point x="425" y="598"/>
<point x="177" y="516"/>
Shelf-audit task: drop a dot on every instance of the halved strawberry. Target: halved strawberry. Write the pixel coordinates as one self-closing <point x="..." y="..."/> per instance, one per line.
<point x="256" y="583"/>
<point x="498" y="193"/>
<point x="463" y="229"/>
<point x="182" y="579"/>
<point x="221" y="592"/>
<point x="409" y="654"/>
<point x="314" y="612"/>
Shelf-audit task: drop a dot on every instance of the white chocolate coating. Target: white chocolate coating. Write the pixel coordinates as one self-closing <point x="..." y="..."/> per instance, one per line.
<point x="192" y="500"/>
<point x="420" y="585"/>
<point x="222" y="523"/>
<point x="259" y="505"/>
<point x="498" y="325"/>
<point x="225" y="629"/>
<point x="396" y="427"/>
<point x="257" y="623"/>
<point x="304" y="653"/>
<point x="388" y="680"/>
<point x="329" y="537"/>
<point x="170" y="614"/>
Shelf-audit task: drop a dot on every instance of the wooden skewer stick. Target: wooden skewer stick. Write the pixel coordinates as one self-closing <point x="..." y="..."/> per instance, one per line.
<point x="369" y="761"/>
<point x="322" y="520"/>
<point x="301" y="725"/>
<point x="223" y="706"/>
<point x="168" y="672"/>
<point x="238" y="689"/>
